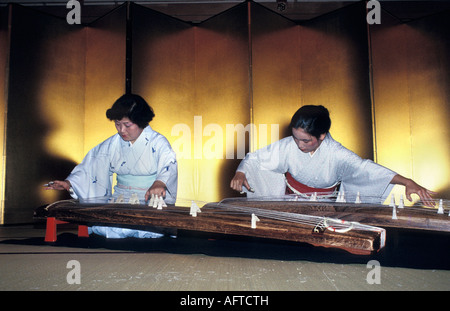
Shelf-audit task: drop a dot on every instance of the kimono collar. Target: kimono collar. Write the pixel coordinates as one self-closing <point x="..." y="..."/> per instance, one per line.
<point x="145" y="136"/>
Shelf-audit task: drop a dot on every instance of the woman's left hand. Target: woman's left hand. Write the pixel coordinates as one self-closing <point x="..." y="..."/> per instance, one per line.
<point x="411" y="187"/>
<point x="158" y="188"/>
<point x="424" y="194"/>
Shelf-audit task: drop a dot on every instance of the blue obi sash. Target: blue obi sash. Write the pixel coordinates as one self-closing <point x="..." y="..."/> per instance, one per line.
<point x="134" y="182"/>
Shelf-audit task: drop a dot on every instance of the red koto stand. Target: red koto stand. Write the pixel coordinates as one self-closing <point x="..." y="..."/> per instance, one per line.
<point x="50" y="231"/>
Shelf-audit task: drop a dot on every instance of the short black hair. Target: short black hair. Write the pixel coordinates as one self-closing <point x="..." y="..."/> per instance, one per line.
<point x="132" y="106"/>
<point x="315" y="120"/>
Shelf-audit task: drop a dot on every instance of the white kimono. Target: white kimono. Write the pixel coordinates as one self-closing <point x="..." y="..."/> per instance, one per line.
<point x="137" y="166"/>
<point x="330" y="164"/>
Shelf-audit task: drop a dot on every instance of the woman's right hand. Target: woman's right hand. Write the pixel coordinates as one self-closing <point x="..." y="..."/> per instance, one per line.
<point x="58" y="185"/>
<point x="238" y="181"/>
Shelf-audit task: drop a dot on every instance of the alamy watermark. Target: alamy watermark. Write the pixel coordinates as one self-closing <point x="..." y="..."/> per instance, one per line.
<point x="213" y="141"/>
<point x="373" y="15"/>
<point x="74" y="274"/>
<point x="74" y="15"/>
<point x="374" y="275"/>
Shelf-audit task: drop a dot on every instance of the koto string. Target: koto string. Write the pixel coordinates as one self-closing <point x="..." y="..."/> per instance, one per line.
<point x="233" y="209"/>
<point x="349" y="199"/>
<point x="338" y="225"/>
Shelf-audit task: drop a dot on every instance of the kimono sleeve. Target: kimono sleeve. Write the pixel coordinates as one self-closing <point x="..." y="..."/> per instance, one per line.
<point x="371" y="180"/>
<point x="167" y="171"/>
<point x="264" y="170"/>
<point x="92" y="177"/>
<point x="269" y="158"/>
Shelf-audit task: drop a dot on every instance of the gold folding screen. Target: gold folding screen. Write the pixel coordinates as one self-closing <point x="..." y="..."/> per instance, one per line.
<point x="411" y="82"/>
<point x="250" y="69"/>
<point x="44" y="94"/>
<point x="321" y="62"/>
<point x="3" y="99"/>
<point x="195" y="96"/>
<point x="105" y="75"/>
<point x="220" y="89"/>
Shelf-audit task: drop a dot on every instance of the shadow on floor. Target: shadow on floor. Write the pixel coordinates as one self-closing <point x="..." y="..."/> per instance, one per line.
<point x="404" y="248"/>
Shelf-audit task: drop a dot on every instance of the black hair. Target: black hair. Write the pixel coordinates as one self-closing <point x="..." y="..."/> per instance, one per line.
<point x="315" y="120"/>
<point x="132" y="106"/>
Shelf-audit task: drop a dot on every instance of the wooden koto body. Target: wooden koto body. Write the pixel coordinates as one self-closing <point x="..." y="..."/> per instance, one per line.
<point x="415" y="218"/>
<point x="275" y="220"/>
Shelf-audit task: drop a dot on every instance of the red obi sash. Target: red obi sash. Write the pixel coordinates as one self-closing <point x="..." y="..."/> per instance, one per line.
<point x="295" y="187"/>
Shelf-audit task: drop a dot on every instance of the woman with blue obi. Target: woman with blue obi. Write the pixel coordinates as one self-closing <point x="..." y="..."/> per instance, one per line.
<point x="142" y="159"/>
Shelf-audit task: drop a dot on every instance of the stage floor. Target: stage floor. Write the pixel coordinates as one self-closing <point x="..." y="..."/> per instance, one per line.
<point x="199" y="262"/>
